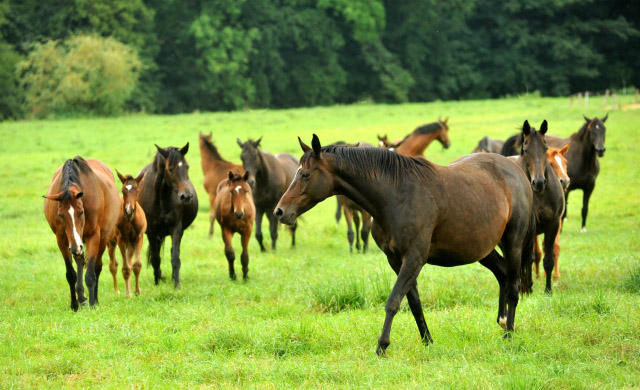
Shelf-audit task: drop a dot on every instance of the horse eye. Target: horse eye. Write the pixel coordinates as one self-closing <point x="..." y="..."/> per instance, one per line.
<point x="80" y="214"/>
<point x="305" y="175"/>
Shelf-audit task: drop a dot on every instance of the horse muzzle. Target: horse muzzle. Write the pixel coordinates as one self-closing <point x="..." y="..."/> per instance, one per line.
<point x="238" y="214"/>
<point x="565" y="183"/>
<point x="186" y="197"/>
<point x="538" y="185"/>
<point x="286" y="217"/>
<point x="600" y="152"/>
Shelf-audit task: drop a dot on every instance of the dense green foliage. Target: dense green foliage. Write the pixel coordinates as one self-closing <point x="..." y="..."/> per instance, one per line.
<point x="214" y="55"/>
<point x="309" y="317"/>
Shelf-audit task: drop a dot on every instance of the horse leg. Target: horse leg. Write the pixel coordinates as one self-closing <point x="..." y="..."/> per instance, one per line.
<point x="212" y="214"/>
<point x="82" y="299"/>
<point x="259" y="214"/>
<point x="98" y="263"/>
<point x="127" y="253"/>
<point x="273" y="229"/>
<point x="550" y="236"/>
<point x="348" y="218"/>
<point x="63" y="245"/>
<point x="244" y="257"/>
<point x="356" y="222"/>
<point x="411" y="266"/>
<point x="92" y="245"/>
<point x="366" y="228"/>
<point x="495" y="263"/>
<point x="137" y="264"/>
<point x="227" y="237"/>
<point x="538" y="255"/>
<point x="566" y="205"/>
<point x="338" y="210"/>
<point x="176" y="237"/>
<point x="586" y="194"/>
<point x="556" y="253"/>
<point x="292" y="229"/>
<point x="155" y="242"/>
<point x="113" y="263"/>
<point x="512" y="285"/>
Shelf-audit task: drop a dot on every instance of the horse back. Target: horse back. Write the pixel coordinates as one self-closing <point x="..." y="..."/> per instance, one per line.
<point x="555" y="141"/>
<point x="108" y="206"/>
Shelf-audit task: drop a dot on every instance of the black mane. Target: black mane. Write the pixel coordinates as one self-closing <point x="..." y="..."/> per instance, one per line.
<point x="428" y="128"/>
<point x="212" y="148"/>
<point x="71" y="175"/>
<point x="174" y="158"/>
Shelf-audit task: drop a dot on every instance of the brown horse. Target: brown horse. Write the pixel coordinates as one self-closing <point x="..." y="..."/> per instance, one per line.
<point x="352" y="213"/>
<point x="269" y="178"/>
<point x="415" y="143"/>
<point x="488" y="145"/>
<point x="215" y="169"/>
<point x="235" y="212"/>
<point x="170" y="204"/>
<point x="425" y="213"/>
<point x="558" y="163"/>
<point x="128" y="235"/>
<point x="587" y="145"/>
<point x="547" y="191"/>
<point x="81" y="207"/>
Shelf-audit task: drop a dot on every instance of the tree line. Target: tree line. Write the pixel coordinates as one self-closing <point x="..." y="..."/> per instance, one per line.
<point x="170" y="56"/>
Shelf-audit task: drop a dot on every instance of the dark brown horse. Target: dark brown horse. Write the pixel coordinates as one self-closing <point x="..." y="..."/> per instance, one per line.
<point x="128" y="234"/>
<point x="170" y="203"/>
<point x="269" y="178"/>
<point x="425" y="213"/>
<point x="547" y="190"/>
<point x="488" y="145"/>
<point x="214" y="169"/>
<point x="81" y="207"/>
<point x="587" y="145"/>
<point x="415" y="143"/>
<point x="235" y="212"/>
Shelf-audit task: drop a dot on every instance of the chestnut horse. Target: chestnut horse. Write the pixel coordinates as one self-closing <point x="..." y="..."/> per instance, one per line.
<point x="214" y="169"/>
<point x="547" y="191"/>
<point x="81" y="207"/>
<point x="269" y="178"/>
<point x="170" y="204"/>
<point x="587" y="145"/>
<point x="558" y="163"/>
<point x="235" y="212"/>
<point x="128" y="234"/>
<point x="415" y="143"/>
<point x="426" y="213"/>
<point x="488" y="145"/>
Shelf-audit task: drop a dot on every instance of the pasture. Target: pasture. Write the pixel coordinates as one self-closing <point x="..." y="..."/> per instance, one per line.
<point x="310" y="317"/>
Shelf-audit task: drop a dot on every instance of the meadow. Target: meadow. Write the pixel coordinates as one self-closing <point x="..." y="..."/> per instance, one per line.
<point x="310" y="316"/>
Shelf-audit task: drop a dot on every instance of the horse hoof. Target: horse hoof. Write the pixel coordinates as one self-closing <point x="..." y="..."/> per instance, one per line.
<point x="507" y="336"/>
<point x="381" y="352"/>
<point x="74" y="306"/>
<point x="583" y="230"/>
<point x="83" y="302"/>
<point x="503" y="322"/>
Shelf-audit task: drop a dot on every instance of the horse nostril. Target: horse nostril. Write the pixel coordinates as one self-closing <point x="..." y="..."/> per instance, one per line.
<point x="251" y="182"/>
<point x="279" y="212"/>
<point x="544" y="182"/>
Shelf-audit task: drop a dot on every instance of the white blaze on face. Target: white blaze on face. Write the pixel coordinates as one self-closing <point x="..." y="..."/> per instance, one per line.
<point x="381" y="144"/>
<point x="128" y="208"/>
<point x="180" y="164"/>
<point x="128" y="186"/>
<point x="238" y="188"/>
<point x="76" y="236"/>
<point x="559" y="161"/>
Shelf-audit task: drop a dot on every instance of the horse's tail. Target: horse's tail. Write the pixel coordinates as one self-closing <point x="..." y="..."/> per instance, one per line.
<point x="510" y="147"/>
<point x="528" y="255"/>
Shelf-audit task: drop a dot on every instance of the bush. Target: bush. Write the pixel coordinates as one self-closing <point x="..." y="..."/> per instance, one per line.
<point x="84" y="75"/>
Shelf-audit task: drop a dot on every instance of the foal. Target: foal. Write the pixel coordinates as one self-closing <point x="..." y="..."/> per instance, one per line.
<point x="128" y="234"/>
<point x="235" y="212"/>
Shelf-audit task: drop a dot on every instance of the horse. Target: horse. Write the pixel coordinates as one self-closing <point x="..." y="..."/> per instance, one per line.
<point x="587" y="145"/>
<point x="488" y="145"/>
<point x="81" y="207"/>
<point x="128" y="234"/>
<point x="269" y="178"/>
<point x="547" y="191"/>
<point x="235" y="212"/>
<point x="352" y="213"/>
<point x="170" y="203"/>
<point x="214" y="169"/>
<point x="415" y="143"/>
<point x="558" y="163"/>
<point x="426" y="213"/>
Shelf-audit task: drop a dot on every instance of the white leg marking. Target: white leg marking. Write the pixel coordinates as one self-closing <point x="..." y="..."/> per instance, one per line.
<point x="583" y="230"/>
<point x="503" y="322"/>
<point x="76" y="236"/>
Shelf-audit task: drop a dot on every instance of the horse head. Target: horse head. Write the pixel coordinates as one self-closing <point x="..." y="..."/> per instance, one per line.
<point x="558" y="162"/>
<point x="312" y="183"/>
<point x="176" y="171"/>
<point x="383" y="142"/>
<point x="251" y="159"/>
<point x="443" y="133"/>
<point x="129" y="193"/>
<point x="71" y="213"/>
<point x="534" y="154"/>
<point x="240" y="191"/>
<point x="596" y="130"/>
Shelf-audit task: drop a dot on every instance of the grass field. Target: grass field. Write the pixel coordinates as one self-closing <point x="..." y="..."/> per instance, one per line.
<point x="310" y="317"/>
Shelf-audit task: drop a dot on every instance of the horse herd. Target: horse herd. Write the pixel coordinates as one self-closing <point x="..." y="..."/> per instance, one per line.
<point x="417" y="212"/>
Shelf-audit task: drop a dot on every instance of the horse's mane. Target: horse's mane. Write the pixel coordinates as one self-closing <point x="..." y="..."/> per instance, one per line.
<point x="511" y="145"/>
<point x="212" y="148"/>
<point x="71" y="171"/>
<point x="174" y="157"/>
<point x="428" y="128"/>
<point x="583" y="131"/>
<point x="377" y="163"/>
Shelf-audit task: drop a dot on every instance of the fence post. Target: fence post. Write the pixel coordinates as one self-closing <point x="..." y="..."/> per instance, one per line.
<point x="586" y="99"/>
<point x="606" y="97"/>
<point x="614" y="104"/>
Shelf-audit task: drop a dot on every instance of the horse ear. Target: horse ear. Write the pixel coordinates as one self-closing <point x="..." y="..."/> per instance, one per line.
<point x="605" y="118"/>
<point x="184" y="149"/>
<point x="544" y="127"/>
<point x="258" y="142"/>
<point x="79" y="195"/>
<point x="240" y="144"/>
<point x="122" y="179"/>
<point x="380" y="138"/>
<point x="305" y="147"/>
<point x="585" y="118"/>
<point x="76" y="192"/>
<point x="445" y="120"/>
<point x="564" y="149"/>
<point x="246" y="176"/>
<point x="55" y="197"/>
<point x="315" y="144"/>
<point x="163" y="152"/>
<point x="140" y="176"/>
<point x="230" y="175"/>
<point x="526" y="128"/>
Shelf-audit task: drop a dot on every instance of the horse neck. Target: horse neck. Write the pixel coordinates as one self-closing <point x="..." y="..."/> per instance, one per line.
<point x="418" y="146"/>
<point x="208" y="159"/>
<point x="264" y="168"/>
<point x="583" y="153"/>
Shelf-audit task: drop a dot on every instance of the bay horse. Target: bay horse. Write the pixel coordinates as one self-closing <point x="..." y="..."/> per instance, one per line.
<point x="415" y="143"/>
<point x="269" y="178"/>
<point x="547" y="191"/>
<point x="81" y="207"/>
<point x="558" y="163"/>
<point x="214" y="169"/>
<point x="426" y="213"/>
<point x="128" y="234"/>
<point x="235" y="212"/>
<point x="170" y="204"/>
<point x="488" y="145"/>
<point x="587" y="145"/>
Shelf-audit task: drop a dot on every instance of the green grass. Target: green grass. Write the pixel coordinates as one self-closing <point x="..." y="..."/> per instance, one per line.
<point x="310" y="317"/>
